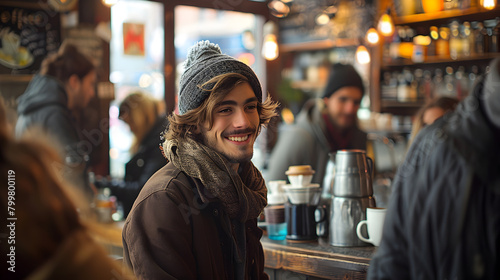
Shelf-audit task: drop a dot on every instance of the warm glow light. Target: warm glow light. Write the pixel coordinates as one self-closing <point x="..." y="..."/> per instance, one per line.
<point x="270" y="47"/>
<point x="109" y="3"/>
<point x="422" y="40"/>
<point x="322" y="19"/>
<point x="247" y="58"/>
<point x="489" y="4"/>
<point x="287" y="116"/>
<point x="434" y="33"/>
<point x="362" y="55"/>
<point x="278" y="9"/>
<point x="385" y="25"/>
<point x="372" y="36"/>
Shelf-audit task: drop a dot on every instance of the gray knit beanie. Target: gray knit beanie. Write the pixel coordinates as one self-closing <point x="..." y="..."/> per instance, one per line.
<point x="342" y="75"/>
<point x="205" y="61"/>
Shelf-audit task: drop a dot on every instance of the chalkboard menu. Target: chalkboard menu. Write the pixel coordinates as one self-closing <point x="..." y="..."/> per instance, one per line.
<point x="27" y="36"/>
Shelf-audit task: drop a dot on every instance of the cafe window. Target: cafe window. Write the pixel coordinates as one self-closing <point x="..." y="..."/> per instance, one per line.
<point x="136" y="64"/>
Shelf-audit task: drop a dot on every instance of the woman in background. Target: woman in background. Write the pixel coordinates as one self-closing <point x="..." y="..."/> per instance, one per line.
<point x="146" y="119"/>
<point x="430" y="112"/>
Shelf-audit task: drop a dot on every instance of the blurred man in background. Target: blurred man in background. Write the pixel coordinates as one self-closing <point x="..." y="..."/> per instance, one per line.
<point x="323" y="126"/>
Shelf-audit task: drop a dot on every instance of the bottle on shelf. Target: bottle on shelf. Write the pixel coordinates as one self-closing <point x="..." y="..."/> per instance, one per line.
<point x="407" y="91"/>
<point x="428" y="85"/>
<point x="450" y="4"/>
<point x="462" y="83"/>
<point x="434" y="34"/>
<point x="467" y="39"/>
<point x="455" y="40"/>
<point x="473" y="74"/>
<point x="443" y="43"/>
<point x="480" y="38"/>
<point x="450" y="83"/>
<point x="439" y="86"/>
<point x="492" y="28"/>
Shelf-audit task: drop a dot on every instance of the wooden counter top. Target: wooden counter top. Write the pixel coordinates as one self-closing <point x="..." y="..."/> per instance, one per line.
<point x="318" y="259"/>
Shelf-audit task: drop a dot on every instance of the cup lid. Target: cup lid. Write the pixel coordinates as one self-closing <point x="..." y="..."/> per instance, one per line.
<point x="300" y="170"/>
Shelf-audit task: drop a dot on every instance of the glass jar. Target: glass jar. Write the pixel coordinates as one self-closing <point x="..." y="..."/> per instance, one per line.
<point x="443" y="43"/>
<point x="455" y="40"/>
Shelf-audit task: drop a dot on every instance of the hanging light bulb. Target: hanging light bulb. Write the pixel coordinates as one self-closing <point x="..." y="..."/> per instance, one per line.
<point x="270" y="49"/>
<point x="278" y="8"/>
<point x="362" y="55"/>
<point x="385" y="24"/>
<point x="109" y="3"/>
<point x="372" y="36"/>
<point x="489" y="4"/>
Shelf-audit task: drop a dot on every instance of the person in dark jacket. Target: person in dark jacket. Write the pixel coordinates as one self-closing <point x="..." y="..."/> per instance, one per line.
<point x="51" y="233"/>
<point x="443" y="219"/>
<point x="323" y="126"/>
<point x="196" y="218"/>
<point x="145" y="117"/>
<point x="65" y="84"/>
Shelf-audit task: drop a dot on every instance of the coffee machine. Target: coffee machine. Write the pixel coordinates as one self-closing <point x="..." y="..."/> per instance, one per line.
<point x="352" y="193"/>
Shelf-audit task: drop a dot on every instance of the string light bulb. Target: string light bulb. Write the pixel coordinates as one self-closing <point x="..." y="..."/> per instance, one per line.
<point x="385" y="24"/>
<point x="489" y="4"/>
<point x="270" y="48"/>
<point x="109" y="3"/>
<point x="372" y="36"/>
<point x="362" y="55"/>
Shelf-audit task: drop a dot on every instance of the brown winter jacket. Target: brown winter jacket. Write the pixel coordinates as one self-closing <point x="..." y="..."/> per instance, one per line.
<point x="171" y="234"/>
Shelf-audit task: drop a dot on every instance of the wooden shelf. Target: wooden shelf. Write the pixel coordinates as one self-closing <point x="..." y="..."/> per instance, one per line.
<point x="441" y="60"/>
<point x="474" y="13"/>
<point x="307" y="85"/>
<point x="21" y="78"/>
<point x="397" y="104"/>
<point x="319" y="45"/>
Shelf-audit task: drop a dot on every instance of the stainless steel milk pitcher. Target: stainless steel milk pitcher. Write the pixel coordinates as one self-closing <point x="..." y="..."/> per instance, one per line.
<point x="352" y="193"/>
<point x="353" y="174"/>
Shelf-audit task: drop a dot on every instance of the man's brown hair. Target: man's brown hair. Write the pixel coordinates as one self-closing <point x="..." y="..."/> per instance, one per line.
<point x="216" y="88"/>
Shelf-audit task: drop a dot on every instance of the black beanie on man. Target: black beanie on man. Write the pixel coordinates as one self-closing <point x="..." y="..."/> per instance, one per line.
<point x="342" y="75"/>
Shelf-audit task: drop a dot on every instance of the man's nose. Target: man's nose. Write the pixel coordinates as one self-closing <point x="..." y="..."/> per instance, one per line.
<point x="241" y="119"/>
<point x="351" y="107"/>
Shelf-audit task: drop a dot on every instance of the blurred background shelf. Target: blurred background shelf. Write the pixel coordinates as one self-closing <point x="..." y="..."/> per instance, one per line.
<point x="470" y="14"/>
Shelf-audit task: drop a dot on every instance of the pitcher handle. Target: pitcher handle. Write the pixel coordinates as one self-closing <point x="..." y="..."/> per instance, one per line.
<point x="370" y="164"/>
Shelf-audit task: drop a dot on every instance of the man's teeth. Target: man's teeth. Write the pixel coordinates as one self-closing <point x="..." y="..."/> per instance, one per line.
<point x="238" y="139"/>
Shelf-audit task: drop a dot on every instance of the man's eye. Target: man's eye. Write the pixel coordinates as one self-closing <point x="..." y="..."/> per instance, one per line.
<point x="224" y="110"/>
<point x="251" y="107"/>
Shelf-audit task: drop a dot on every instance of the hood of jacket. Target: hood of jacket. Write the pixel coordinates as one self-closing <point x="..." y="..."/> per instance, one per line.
<point x="42" y="91"/>
<point x="476" y="135"/>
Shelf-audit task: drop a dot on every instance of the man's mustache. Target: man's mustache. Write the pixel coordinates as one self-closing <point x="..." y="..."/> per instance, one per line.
<point x="249" y="130"/>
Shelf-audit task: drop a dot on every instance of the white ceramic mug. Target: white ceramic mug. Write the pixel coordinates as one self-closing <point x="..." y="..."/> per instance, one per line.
<point x="374" y="223"/>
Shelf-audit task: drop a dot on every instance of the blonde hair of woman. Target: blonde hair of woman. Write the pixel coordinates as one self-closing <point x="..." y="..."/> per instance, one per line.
<point x="140" y="111"/>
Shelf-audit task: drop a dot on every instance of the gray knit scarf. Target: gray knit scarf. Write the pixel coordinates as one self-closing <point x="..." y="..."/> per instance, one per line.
<point x="243" y="195"/>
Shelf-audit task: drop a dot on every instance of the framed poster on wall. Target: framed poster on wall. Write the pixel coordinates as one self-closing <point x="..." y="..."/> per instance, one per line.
<point x="27" y="35"/>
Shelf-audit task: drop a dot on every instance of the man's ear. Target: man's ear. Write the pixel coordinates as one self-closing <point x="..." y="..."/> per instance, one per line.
<point x="74" y="82"/>
<point x="197" y="130"/>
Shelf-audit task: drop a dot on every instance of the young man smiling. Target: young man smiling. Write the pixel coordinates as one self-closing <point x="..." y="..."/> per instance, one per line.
<point x="196" y="218"/>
